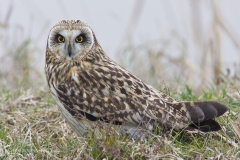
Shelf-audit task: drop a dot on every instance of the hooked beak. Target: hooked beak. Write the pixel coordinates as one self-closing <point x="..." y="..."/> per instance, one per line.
<point x="69" y="50"/>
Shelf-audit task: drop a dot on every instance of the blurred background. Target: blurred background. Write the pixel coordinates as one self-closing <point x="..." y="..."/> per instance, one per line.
<point x="165" y="43"/>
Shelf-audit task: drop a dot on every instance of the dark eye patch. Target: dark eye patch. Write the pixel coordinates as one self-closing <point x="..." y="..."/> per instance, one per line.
<point x="56" y="37"/>
<point x="85" y="38"/>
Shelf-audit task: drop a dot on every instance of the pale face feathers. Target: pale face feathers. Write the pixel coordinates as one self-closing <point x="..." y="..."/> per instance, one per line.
<point x="70" y="41"/>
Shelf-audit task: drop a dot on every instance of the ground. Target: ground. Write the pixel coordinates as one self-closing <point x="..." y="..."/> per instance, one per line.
<point x="31" y="127"/>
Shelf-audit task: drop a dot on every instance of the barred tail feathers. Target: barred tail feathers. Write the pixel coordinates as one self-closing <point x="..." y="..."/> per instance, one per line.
<point x="202" y="115"/>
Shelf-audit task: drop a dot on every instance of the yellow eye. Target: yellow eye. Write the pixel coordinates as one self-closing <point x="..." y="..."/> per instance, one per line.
<point x="79" y="39"/>
<point x="60" y="39"/>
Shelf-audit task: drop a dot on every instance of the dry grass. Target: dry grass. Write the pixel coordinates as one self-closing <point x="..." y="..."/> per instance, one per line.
<point x="31" y="127"/>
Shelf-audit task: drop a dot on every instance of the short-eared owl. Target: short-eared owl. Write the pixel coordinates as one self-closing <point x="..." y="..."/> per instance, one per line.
<point x="88" y="87"/>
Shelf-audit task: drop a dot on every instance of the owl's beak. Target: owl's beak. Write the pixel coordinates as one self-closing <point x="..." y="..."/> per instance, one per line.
<point x="69" y="50"/>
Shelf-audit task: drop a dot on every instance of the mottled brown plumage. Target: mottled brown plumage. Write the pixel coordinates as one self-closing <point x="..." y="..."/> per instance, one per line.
<point x="88" y="86"/>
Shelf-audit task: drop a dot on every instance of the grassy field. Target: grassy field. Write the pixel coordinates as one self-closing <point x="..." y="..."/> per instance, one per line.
<point x="31" y="127"/>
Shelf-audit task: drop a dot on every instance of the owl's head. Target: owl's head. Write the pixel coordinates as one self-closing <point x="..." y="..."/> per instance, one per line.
<point x="70" y="39"/>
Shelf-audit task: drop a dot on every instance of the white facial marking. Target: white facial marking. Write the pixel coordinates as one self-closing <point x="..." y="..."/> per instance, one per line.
<point x="70" y="48"/>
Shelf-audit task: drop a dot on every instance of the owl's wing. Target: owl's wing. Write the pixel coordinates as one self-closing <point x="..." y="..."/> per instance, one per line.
<point x="111" y="93"/>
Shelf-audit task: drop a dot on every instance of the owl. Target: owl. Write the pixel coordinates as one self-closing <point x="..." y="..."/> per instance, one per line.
<point x="90" y="88"/>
